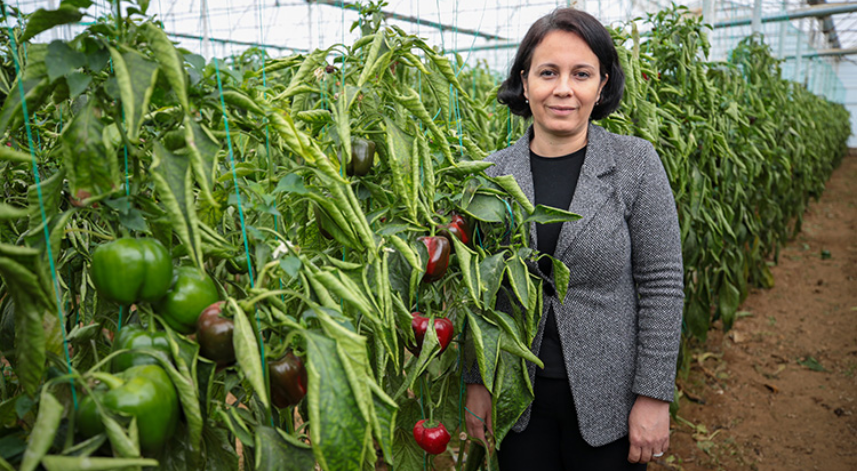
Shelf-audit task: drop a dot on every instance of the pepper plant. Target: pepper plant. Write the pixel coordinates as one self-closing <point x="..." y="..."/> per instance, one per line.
<point x="253" y="175"/>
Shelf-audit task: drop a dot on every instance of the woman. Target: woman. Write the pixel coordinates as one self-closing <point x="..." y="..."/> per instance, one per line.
<point x="610" y="347"/>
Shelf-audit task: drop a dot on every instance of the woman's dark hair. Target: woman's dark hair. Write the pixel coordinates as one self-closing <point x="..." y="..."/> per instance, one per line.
<point x="593" y="33"/>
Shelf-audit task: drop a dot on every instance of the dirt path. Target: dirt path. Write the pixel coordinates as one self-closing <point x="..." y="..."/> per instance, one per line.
<point x="779" y="392"/>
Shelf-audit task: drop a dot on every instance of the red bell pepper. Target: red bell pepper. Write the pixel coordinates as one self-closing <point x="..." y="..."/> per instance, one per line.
<point x="442" y="326"/>
<point x="438" y="257"/>
<point x="457" y="227"/>
<point x="431" y="439"/>
<point x="214" y="335"/>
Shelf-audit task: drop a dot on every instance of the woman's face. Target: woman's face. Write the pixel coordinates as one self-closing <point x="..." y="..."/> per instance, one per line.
<point x="563" y="84"/>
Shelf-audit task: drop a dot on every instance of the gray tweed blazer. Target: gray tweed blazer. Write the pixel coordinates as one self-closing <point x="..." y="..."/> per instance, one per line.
<point x="620" y="322"/>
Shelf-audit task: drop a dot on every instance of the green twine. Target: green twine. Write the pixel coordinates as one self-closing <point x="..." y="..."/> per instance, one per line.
<point x="19" y="77"/>
<point x="240" y="212"/>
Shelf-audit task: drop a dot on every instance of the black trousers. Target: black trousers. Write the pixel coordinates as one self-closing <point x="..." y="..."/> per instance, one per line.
<point x="552" y="440"/>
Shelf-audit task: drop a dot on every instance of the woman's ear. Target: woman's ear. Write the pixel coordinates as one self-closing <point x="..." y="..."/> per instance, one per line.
<point x="524" y="84"/>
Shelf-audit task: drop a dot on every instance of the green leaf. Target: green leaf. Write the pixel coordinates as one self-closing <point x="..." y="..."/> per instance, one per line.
<point x="491" y="273"/>
<point x="247" y="353"/>
<point x="42" y="434"/>
<point x="275" y="453"/>
<point x="385" y="415"/>
<point x="561" y="276"/>
<point x="203" y="155"/>
<point x="172" y="64"/>
<point x="12" y="446"/>
<point x="317" y="117"/>
<point x="811" y="363"/>
<point x="512" y="340"/>
<point x="352" y="352"/>
<point x="11" y="155"/>
<point x="132" y="218"/>
<point x="136" y="76"/>
<point x="338" y="426"/>
<point x="91" y="171"/>
<point x="512" y="394"/>
<point x="32" y="303"/>
<point x="486" y="341"/>
<point x="291" y="265"/>
<point x="698" y="319"/>
<point x="406" y="453"/>
<point x="62" y="60"/>
<point x="43" y="20"/>
<point x="172" y="175"/>
<point x="516" y="269"/>
<point x="728" y="302"/>
<point x="11" y="212"/>
<point x="488" y="208"/>
<point x="77" y="83"/>
<point x="548" y="215"/>
<point x="508" y="183"/>
<point x="93" y="463"/>
<point x="371" y="58"/>
<point x="291" y="183"/>
<point x="86" y="447"/>
<point x="36" y="90"/>
<point x="77" y="3"/>
<point x="464" y="256"/>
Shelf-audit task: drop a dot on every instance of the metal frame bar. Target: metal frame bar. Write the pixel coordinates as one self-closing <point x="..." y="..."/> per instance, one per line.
<point x="235" y="41"/>
<point x="825" y="53"/>
<point x="811" y="12"/>
<point x="410" y="19"/>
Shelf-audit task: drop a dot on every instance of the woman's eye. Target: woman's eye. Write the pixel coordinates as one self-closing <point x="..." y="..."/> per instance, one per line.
<point x="546" y="73"/>
<point x="583" y="75"/>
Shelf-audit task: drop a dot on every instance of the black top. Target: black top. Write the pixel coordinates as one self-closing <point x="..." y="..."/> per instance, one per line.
<point x="554" y="182"/>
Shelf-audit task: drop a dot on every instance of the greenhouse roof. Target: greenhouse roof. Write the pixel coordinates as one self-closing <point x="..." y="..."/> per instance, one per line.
<point x="286" y="26"/>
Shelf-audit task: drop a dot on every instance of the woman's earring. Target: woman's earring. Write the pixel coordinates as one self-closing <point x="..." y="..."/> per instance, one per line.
<point x="526" y="101"/>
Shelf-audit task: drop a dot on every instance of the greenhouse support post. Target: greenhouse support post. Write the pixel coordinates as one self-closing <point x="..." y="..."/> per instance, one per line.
<point x="757" y="16"/>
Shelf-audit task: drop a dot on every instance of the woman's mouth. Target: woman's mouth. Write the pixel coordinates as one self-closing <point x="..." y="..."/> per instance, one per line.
<point x="561" y="110"/>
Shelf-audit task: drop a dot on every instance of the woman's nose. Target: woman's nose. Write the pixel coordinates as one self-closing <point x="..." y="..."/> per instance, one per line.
<point x="563" y="87"/>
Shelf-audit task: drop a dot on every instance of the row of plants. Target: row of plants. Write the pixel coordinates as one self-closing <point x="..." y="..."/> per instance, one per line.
<point x="745" y="151"/>
<point x="299" y="255"/>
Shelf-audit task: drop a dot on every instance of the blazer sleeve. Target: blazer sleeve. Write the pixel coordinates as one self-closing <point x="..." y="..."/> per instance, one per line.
<point x="658" y="274"/>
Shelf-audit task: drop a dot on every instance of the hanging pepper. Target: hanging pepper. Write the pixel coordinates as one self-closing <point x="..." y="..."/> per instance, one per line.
<point x="438" y="257"/>
<point x="144" y="392"/>
<point x="214" y="335"/>
<point x="288" y="379"/>
<point x="362" y="157"/>
<point x="192" y="292"/>
<point x="237" y="265"/>
<point x="431" y="438"/>
<point x="134" y="338"/>
<point x="129" y="270"/>
<point x="442" y="326"/>
<point x="458" y="227"/>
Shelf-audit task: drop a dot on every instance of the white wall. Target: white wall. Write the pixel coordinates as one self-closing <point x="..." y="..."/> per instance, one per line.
<point x="848" y="75"/>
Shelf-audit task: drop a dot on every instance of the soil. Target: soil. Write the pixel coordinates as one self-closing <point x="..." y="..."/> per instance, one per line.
<point x="778" y="391"/>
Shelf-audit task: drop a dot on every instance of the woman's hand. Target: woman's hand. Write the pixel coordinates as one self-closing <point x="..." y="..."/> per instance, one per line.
<point x="648" y="429"/>
<point x="478" y="402"/>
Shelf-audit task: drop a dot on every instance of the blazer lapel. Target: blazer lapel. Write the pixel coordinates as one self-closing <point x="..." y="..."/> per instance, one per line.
<point x="591" y="192"/>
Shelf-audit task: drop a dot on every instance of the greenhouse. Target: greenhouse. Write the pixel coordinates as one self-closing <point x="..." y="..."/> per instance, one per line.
<point x="449" y="235"/>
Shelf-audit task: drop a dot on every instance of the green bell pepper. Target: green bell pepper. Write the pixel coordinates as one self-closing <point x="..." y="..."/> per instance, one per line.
<point x="362" y="157"/>
<point x="192" y="292"/>
<point x="132" y="338"/>
<point x="144" y="392"/>
<point x="130" y="270"/>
